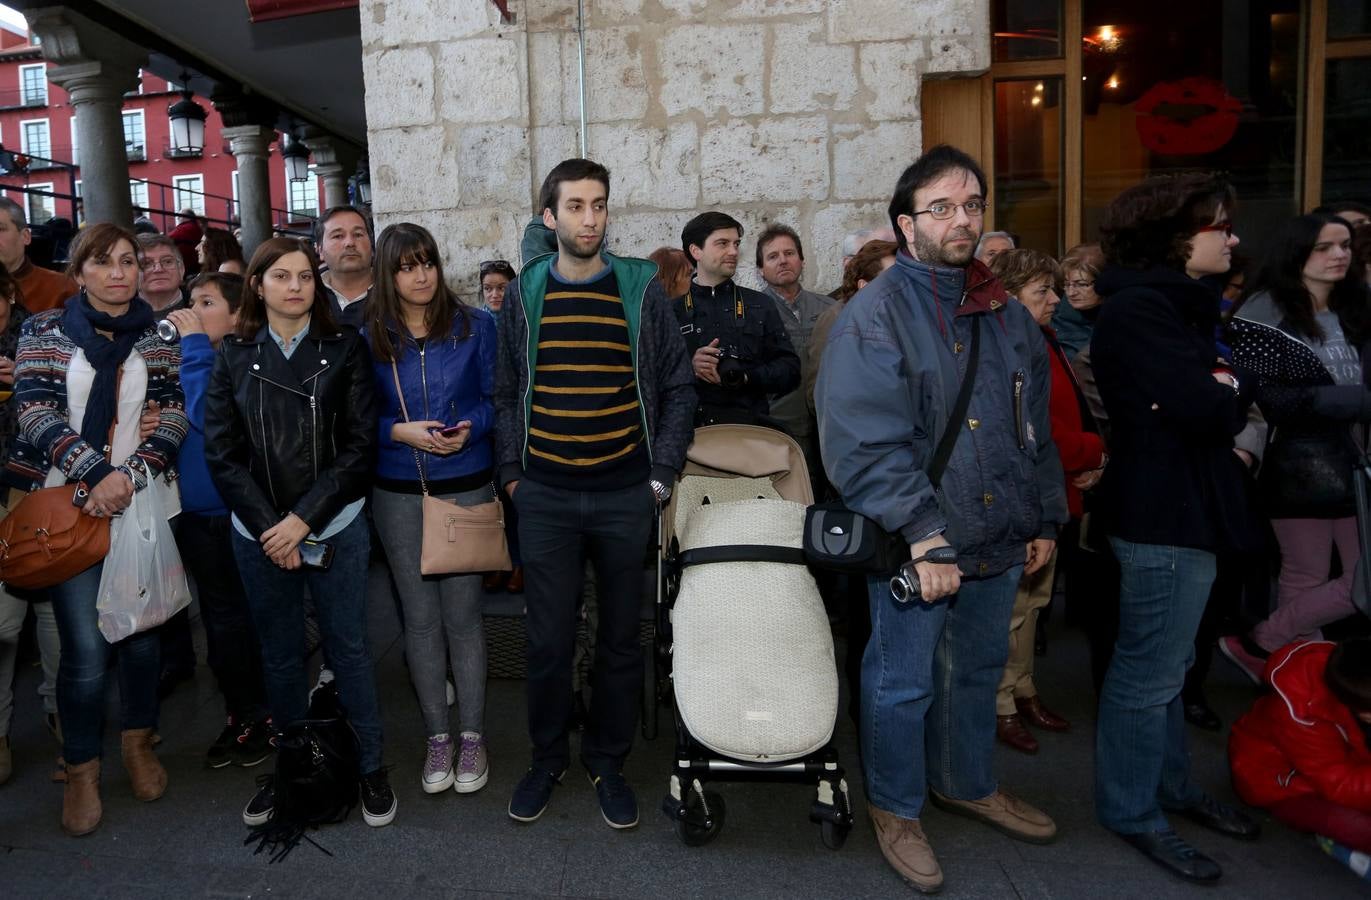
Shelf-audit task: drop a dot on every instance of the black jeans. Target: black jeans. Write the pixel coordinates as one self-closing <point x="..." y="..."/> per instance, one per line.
<point x="558" y="528"/>
<point x="207" y="550"/>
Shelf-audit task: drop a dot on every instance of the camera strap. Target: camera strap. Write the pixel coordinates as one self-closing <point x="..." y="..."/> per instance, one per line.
<point x="938" y="465"/>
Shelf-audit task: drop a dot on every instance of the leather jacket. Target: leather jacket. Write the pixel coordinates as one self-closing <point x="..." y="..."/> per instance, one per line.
<point x="291" y="435"/>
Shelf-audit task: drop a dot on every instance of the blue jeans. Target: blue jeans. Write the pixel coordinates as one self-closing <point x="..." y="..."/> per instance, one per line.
<point x="85" y="660"/>
<point x="276" y="600"/>
<point x="1141" y="761"/>
<point x="929" y="677"/>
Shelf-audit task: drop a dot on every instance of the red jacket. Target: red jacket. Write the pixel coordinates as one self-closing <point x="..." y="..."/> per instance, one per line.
<point x="1300" y="739"/>
<point x="1080" y="449"/>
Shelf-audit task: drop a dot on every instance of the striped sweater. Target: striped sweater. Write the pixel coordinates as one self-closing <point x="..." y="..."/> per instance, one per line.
<point x="585" y="426"/>
<point x="45" y="438"/>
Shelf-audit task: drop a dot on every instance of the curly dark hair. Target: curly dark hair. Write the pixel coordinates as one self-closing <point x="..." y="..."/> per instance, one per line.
<point x="865" y="265"/>
<point x="1283" y="278"/>
<point x="1152" y="223"/>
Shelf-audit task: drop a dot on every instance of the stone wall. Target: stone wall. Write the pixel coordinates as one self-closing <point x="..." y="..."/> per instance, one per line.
<point x="801" y="111"/>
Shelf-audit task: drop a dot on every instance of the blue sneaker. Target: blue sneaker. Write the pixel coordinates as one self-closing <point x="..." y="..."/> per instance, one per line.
<point x="532" y="793"/>
<point x="618" y="804"/>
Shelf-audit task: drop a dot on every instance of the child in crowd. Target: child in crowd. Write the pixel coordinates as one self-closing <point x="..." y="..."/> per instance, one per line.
<point x="1302" y="752"/>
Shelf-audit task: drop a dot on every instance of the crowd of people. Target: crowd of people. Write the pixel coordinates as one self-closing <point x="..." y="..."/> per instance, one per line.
<point x="1153" y="447"/>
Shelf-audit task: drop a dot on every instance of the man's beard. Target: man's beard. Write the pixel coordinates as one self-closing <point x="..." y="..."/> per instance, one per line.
<point x="568" y="246"/>
<point x="929" y="251"/>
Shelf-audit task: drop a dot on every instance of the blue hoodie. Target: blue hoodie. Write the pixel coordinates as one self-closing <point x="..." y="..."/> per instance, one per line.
<point x="198" y="494"/>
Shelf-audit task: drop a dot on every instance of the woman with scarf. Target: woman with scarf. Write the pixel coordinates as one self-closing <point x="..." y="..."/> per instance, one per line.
<point x="83" y="375"/>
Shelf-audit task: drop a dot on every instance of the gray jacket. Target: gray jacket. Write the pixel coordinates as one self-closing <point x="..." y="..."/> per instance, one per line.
<point x="889" y="379"/>
<point x="792" y="409"/>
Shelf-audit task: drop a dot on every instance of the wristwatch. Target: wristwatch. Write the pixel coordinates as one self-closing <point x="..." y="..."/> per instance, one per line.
<point x="663" y="491"/>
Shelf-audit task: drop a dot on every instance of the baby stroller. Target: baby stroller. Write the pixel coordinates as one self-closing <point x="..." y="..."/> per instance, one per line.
<point x="742" y="638"/>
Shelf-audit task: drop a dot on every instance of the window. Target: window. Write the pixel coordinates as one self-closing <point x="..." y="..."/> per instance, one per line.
<point x="235" y="194"/>
<point x="33" y="85"/>
<point x="304" y="195"/>
<point x="138" y="193"/>
<point x="35" y="140"/>
<point x="190" y="192"/>
<point x="40" y="206"/>
<point x="1028" y="160"/>
<point x="135" y="141"/>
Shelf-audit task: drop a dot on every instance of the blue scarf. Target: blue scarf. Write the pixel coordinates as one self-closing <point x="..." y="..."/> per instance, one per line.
<point x="80" y="322"/>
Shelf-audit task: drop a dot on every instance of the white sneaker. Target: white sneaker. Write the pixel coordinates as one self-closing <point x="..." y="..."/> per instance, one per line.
<point x="473" y="769"/>
<point x="438" y="764"/>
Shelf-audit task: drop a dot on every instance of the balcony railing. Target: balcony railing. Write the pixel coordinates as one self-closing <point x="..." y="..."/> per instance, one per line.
<point x="170" y="152"/>
<point x="22" y="99"/>
<point x="136" y="152"/>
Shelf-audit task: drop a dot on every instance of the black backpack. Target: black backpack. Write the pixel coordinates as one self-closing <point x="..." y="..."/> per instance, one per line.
<point x="316" y="780"/>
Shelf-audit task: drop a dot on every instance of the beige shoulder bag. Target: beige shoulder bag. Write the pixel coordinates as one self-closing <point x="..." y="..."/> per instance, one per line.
<point x="457" y="539"/>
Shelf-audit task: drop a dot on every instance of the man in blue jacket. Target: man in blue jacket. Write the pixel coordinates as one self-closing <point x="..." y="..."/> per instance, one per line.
<point x="593" y="400"/>
<point x="891" y="375"/>
<point x="202" y="533"/>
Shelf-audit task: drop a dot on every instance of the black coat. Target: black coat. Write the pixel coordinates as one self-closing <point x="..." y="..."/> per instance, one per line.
<point x="1172" y="477"/>
<point x="295" y="435"/>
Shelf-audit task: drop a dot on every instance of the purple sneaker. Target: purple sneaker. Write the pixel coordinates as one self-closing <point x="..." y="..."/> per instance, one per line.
<point x="472" y="768"/>
<point x="438" y="764"/>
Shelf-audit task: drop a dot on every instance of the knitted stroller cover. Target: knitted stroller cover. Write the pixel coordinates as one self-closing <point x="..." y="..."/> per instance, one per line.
<point x="752" y="654"/>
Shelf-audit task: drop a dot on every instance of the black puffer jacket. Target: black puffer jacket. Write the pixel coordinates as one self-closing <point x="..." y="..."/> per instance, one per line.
<point x="295" y="435"/>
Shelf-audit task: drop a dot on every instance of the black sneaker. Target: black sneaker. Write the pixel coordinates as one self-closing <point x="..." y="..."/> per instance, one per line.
<point x="618" y="804"/>
<point x="532" y="793"/>
<point x="378" y="800"/>
<point x="260" y="807"/>
<point x="220" y="752"/>
<point x="255" y="744"/>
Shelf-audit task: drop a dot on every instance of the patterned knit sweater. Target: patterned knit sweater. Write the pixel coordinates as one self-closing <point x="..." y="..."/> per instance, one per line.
<point x="45" y="438"/>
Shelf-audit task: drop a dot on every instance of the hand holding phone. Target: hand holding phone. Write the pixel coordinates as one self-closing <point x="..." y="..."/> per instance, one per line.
<point x="452" y="430"/>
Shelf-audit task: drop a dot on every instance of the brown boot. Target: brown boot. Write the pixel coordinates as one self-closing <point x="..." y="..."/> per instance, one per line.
<point x="81" y="799"/>
<point x="1032" y="709"/>
<point x="145" y="770"/>
<point x="1011" y="730"/>
<point x="904" y="846"/>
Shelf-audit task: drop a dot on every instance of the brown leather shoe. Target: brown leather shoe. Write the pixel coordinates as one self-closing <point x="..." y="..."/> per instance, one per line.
<point x="144" y="768"/>
<point x="1005" y="813"/>
<point x="515" y="585"/>
<point x="1039" y="716"/>
<point x="1012" y="731"/>
<point x="81" y="808"/>
<point x="904" y="846"/>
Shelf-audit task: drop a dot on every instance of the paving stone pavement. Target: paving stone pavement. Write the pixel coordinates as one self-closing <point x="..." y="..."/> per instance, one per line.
<point x="189" y="843"/>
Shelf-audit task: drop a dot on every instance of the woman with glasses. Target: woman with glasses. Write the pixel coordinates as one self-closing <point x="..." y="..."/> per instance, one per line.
<point x="1304" y="332"/>
<point x="1074" y="320"/>
<point x="1171" y="498"/>
<point x="434" y="361"/>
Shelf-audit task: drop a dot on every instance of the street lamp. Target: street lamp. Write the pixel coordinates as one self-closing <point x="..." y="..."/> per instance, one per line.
<point x="362" y="182"/>
<point x="296" y="156"/>
<point x="187" y="125"/>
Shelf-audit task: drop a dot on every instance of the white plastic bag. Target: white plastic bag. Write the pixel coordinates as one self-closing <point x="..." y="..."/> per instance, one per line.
<point x="143" y="583"/>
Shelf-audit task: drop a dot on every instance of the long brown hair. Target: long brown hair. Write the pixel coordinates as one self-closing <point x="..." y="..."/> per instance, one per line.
<point x="220" y="247"/>
<point x="673" y="270"/>
<point x="252" y="311"/>
<point x="399" y="245"/>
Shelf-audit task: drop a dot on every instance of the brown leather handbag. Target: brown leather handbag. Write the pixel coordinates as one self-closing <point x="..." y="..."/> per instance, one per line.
<point x="46" y="539"/>
<point x="457" y="539"/>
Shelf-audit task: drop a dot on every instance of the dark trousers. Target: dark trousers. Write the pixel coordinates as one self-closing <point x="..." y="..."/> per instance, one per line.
<point x="1092" y="594"/>
<point x="178" y="645"/>
<point x="207" y="550"/>
<point x="558" y="529"/>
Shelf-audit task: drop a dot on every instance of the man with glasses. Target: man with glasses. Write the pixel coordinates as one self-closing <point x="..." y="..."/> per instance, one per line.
<point x="978" y="505"/>
<point x="163" y="272"/>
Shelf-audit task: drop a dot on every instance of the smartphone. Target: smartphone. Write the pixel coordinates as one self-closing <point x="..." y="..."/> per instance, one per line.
<point x="453" y="429"/>
<point x="316" y="554"/>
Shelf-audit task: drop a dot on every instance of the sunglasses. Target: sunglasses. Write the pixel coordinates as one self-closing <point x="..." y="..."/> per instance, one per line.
<point x="497" y="265"/>
<point x="1225" y="226"/>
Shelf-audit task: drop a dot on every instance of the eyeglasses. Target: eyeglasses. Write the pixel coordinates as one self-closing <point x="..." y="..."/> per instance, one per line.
<point x="497" y="265"/>
<point x="940" y="211"/>
<point x="1225" y="226"/>
<point x="1080" y="285"/>
<point x="168" y="263"/>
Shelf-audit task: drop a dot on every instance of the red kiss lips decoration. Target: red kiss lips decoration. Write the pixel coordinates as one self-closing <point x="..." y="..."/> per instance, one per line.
<point x="1187" y="117"/>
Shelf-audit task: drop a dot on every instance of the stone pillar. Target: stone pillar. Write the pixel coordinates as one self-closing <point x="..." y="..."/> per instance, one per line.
<point x="251" y="147"/>
<point x="334" y="163"/>
<point x="96" y="67"/>
<point x="249" y="128"/>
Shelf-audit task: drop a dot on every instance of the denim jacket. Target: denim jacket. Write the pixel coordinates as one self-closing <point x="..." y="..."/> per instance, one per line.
<point x="890" y="376"/>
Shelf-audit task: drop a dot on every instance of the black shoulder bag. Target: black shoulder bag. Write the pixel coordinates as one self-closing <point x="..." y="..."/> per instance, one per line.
<point x="841" y="540"/>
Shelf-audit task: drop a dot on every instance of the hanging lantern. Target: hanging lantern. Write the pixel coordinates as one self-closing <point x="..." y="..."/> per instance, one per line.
<point x="296" y="156"/>
<point x="362" y="183"/>
<point x="187" y="125"/>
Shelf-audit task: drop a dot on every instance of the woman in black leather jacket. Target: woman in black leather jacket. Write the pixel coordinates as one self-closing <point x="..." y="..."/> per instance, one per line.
<point x="1304" y="332"/>
<point x="290" y="432"/>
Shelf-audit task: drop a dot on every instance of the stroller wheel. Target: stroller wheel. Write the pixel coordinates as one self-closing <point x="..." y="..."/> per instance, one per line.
<point x="834" y="834"/>
<point x="695" y="828"/>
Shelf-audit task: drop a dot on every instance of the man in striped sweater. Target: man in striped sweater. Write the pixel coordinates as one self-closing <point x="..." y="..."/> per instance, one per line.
<point x="594" y="402"/>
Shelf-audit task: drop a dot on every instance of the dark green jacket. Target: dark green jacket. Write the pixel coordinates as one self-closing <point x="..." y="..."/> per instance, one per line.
<point x="666" y="393"/>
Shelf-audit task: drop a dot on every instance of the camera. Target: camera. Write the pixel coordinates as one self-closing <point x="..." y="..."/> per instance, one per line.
<point x="904" y="586"/>
<point x="733" y="367"/>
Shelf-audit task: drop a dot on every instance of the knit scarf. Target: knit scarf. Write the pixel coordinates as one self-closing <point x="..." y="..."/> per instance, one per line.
<point x="82" y="323"/>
